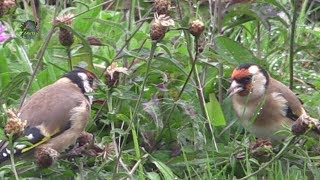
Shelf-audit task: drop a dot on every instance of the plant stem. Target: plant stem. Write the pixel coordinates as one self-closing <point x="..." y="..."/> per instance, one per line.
<point x="292" y="40"/>
<point x="69" y="58"/>
<point x="13" y="166"/>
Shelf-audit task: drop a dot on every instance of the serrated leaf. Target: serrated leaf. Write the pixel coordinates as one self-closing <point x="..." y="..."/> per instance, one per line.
<point x="215" y="112"/>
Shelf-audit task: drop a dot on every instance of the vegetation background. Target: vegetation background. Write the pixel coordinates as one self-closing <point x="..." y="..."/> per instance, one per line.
<point x="168" y="117"/>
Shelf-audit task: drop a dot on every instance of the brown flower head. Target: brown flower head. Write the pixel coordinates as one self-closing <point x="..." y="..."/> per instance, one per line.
<point x="162" y="6"/>
<point x="159" y="26"/>
<point x="15" y="125"/>
<point x="196" y="27"/>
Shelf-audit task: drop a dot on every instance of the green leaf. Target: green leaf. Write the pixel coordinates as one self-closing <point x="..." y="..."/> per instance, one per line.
<point x="215" y="112"/>
<point x="82" y="23"/>
<point x="164" y="169"/>
<point x="233" y="52"/>
<point x="16" y="82"/>
<point x="153" y="176"/>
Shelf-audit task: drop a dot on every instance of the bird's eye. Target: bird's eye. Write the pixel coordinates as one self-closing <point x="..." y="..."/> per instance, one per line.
<point x="246" y="80"/>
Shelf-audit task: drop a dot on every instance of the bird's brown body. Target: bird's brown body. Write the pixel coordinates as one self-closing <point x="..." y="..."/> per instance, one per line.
<point x="56" y="116"/>
<point x="263" y="104"/>
<point x="55" y="109"/>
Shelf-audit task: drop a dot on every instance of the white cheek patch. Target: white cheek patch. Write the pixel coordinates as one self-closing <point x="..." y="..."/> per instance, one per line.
<point x="83" y="76"/>
<point x="253" y="69"/>
<point x="86" y="85"/>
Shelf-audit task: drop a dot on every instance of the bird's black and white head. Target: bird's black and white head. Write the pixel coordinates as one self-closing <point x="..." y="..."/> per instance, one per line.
<point x="248" y="79"/>
<point x="84" y="79"/>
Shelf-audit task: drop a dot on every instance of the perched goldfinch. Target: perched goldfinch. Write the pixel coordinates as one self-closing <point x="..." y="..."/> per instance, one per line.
<point x="263" y="104"/>
<point x="56" y="115"/>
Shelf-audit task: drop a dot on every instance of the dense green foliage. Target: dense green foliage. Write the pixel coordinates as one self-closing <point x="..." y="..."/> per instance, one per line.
<point x="164" y="123"/>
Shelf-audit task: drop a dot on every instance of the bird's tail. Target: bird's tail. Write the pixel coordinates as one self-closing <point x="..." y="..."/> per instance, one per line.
<point x="31" y="138"/>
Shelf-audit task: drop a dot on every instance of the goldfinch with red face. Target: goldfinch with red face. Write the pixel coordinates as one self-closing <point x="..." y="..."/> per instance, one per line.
<point x="56" y="115"/>
<point x="263" y="104"/>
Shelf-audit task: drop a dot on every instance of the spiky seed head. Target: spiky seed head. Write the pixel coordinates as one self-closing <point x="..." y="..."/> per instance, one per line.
<point x="15" y="125"/>
<point x="160" y="26"/>
<point x="162" y="6"/>
<point x="196" y="27"/>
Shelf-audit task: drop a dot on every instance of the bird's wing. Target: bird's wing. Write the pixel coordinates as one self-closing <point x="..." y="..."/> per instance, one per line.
<point x="48" y="113"/>
<point x="293" y="108"/>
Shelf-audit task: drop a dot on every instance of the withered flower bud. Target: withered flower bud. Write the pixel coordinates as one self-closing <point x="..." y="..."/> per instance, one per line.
<point x="94" y="41"/>
<point x="196" y="28"/>
<point x="159" y="27"/>
<point x="113" y="72"/>
<point x="162" y="6"/>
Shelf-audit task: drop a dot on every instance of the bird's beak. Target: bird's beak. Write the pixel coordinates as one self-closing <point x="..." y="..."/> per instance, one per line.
<point x="234" y="88"/>
<point x="96" y="83"/>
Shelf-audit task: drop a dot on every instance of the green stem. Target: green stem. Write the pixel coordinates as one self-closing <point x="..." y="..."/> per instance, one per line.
<point x="69" y="58"/>
<point x="13" y="166"/>
<point x="292" y="40"/>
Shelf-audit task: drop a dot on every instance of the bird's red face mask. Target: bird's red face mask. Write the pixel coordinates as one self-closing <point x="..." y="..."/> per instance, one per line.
<point x="241" y="82"/>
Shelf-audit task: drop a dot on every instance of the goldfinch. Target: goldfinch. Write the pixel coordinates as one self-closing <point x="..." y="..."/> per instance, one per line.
<point x="55" y="117"/>
<point x="263" y="104"/>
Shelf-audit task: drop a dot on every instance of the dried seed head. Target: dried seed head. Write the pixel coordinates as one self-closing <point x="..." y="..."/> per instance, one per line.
<point x="196" y="28"/>
<point x="159" y="26"/>
<point x="162" y="6"/>
<point x="65" y="37"/>
<point x="15" y="125"/>
<point x="113" y="72"/>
